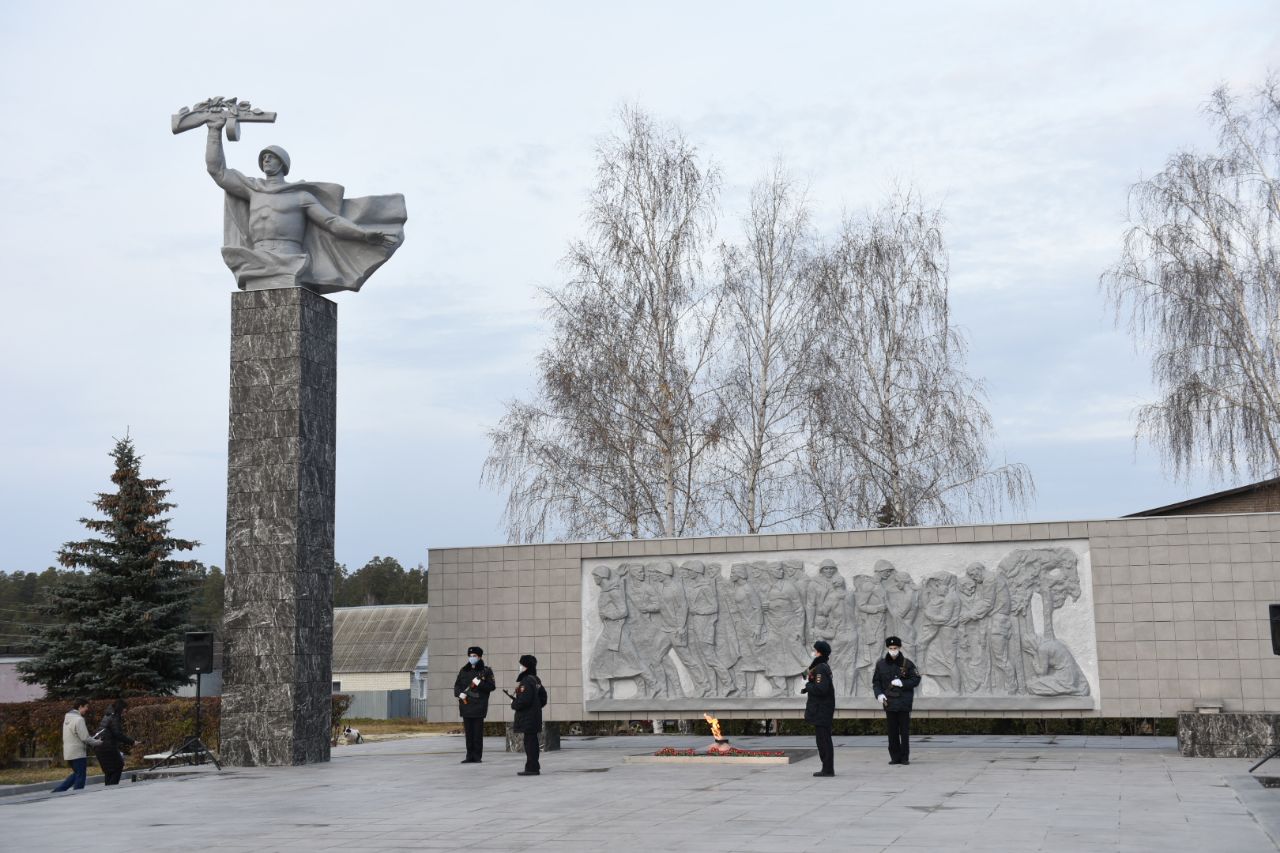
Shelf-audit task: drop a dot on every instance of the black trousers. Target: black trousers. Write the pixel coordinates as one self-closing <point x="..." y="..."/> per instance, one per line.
<point x="531" y="764"/>
<point x="473" y="729"/>
<point x="112" y="764"/>
<point x="899" y="734"/>
<point x="826" y="751"/>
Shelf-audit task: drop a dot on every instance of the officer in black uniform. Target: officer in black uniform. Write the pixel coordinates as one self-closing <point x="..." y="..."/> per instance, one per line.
<point x="527" y="703"/>
<point x="895" y="684"/>
<point x="820" y="706"/>
<point x="472" y="687"/>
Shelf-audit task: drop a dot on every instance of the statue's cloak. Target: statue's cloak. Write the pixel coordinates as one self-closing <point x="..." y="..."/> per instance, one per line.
<point x="329" y="263"/>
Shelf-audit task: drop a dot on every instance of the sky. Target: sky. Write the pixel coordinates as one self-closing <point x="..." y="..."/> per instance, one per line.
<point x="1026" y="123"/>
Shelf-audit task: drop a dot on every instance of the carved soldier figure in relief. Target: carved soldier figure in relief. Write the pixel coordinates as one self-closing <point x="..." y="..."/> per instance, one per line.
<point x="994" y="587"/>
<point x="704" y="614"/>
<point x="784" y="621"/>
<point x="293" y="234"/>
<point x="972" y="657"/>
<point x="747" y="621"/>
<point x="615" y="655"/>
<point x="645" y="626"/>
<point x="871" y="596"/>
<point x="939" y="636"/>
<point x="903" y="599"/>
<point x="817" y="589"/>
<point x="727" y="648"/>
<point x="836" y="624"/>
<point x="673" y="611"/>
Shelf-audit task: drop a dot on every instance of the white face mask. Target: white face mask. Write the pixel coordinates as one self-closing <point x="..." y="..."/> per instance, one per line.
<point x="893" y="653"/>
<point x="522" y="667"/>
<point x="473" y="660"/>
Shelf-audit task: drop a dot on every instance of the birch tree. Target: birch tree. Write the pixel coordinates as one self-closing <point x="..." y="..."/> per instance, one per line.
<point x="617" y="441"/>
<point x="890" y="400"/>
<point x="767" y="329"/>
<point x="1198" y="282"/>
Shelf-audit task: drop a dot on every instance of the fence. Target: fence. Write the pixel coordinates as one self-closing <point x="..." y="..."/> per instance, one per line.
<point x="384" y="705"/>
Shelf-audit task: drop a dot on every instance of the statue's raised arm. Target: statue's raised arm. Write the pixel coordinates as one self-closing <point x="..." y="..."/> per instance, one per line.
<point x="291" y="234"/>
<point x="215" y="160"/>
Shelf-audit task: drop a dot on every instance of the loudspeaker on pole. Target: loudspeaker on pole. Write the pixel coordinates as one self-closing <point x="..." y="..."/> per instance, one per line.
<point x="197" y="652"/>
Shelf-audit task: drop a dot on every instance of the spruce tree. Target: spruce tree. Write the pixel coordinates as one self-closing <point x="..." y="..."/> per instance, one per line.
<point x="120" y="625"/>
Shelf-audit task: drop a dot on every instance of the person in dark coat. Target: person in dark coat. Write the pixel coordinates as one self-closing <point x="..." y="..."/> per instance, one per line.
<point x="114" y="743"/>
<point x="529" y="698"/>
<point x="894" y="684"/>
<point x="472" y="687"/>
<point x="820" y="706"/>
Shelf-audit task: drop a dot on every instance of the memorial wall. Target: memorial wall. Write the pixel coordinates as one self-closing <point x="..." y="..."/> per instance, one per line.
<point x="1116" y="618"/>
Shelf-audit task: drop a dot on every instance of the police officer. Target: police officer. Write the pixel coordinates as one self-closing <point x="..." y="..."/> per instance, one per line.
<point x="820" y="706"/>
<point x="529" y="698"/>
<point x="895" y="684"/>
<point x="472" y="687"/>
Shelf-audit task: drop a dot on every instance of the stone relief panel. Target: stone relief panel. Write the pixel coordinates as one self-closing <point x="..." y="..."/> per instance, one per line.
<point x="994" y="626"/>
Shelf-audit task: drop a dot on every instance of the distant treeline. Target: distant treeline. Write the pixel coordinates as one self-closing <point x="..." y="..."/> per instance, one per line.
<point x="382" y="580"/>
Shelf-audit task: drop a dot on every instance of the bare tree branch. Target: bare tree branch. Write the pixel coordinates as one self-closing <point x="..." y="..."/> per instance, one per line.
<point x="1198" y="284"/>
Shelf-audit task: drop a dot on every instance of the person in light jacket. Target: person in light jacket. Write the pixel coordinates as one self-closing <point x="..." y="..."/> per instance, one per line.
<point x="75" y="745"/>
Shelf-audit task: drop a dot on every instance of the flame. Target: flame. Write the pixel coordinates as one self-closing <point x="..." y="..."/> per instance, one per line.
<point x="715" y="726"/>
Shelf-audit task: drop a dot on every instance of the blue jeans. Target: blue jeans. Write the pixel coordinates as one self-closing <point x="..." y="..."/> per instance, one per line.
<point x="77" y="777"/>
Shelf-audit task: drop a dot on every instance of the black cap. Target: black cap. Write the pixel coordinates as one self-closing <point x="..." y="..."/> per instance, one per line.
<point x="893" y="641"/>
<point x="822" y="647"/>
<point x="475" y="650"/>
<point x="528" y="661"/>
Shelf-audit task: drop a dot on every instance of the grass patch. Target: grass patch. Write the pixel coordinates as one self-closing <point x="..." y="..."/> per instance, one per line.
<point x="402" y="726"/>
<point x="30" y="775"/>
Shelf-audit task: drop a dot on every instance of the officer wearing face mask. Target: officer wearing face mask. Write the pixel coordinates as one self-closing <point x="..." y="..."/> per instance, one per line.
<point x="472" y="687"/>
<point x="894" y="684"/>
<point x="820" y="706"/>
<point x="529" y="699"/>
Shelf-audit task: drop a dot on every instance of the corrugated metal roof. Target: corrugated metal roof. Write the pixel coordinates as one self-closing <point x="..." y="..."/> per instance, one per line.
<point x="388" y="638"/>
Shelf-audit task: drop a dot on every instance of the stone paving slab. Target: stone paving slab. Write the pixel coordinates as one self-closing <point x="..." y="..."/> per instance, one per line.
<point x="958" y="794"/>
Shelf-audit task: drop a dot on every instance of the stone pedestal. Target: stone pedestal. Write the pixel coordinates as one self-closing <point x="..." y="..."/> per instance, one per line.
<point x="548" y="738"/>
<point x="278" y="624"/>
<point x="1228" y="735"/>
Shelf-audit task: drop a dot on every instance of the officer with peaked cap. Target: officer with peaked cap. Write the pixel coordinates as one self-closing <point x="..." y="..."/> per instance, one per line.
<point x="895" y="684"/>
<point x="472" y="687"/>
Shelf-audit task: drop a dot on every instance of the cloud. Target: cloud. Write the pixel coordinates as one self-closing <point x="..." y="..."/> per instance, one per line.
<point x="1025" y="123"/>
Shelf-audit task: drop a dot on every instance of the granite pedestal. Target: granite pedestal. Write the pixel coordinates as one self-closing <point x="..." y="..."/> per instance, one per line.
<point x="278" y="624"/>
<point x="1228" y="735"/>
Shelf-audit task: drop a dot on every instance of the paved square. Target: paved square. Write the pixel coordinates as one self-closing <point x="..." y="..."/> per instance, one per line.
<point x="959" y="793"/>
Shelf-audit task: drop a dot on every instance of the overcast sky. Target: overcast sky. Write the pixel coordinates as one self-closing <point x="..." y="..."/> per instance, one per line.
<point x="1025" y="122"/>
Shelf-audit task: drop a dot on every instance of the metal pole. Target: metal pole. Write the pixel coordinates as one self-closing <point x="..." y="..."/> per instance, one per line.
<point x="199" y="752"/>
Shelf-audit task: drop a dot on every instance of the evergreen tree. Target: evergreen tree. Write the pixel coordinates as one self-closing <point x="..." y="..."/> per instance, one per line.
<point x="120" y="625"/>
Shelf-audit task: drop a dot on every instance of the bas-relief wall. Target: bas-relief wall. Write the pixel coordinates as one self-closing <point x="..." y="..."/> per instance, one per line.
<point x="1180" y="606"/>
<point x="992" y="626"/>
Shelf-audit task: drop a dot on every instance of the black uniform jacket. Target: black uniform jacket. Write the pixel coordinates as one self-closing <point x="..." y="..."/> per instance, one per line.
<point x="477" y="702"/>
<point x="820" y="706"/>
<point x="887" y="669"/>
<point x="113" y="736"/>
<point x="527" y="704"/>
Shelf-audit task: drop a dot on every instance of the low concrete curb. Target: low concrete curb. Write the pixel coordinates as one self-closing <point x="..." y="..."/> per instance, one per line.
<point x="13" y="790"/>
